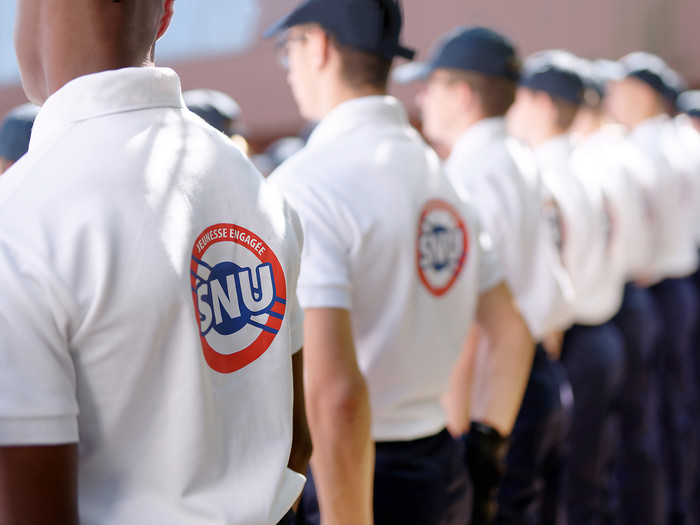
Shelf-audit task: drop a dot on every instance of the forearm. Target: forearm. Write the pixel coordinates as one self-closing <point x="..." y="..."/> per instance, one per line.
<point x="343" y="457"/>
<point x="301" y="439"/>
<point x="504" y="361"/>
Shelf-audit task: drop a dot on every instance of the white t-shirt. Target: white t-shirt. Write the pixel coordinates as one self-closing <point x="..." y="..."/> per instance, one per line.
<point x="148" y="308"/>
<point x="582" y="227"/>
<point x="501" y="175"/>
<point x="671" y="192"/>
<point x="387" y="238"/>
<point x="689" y="141"/>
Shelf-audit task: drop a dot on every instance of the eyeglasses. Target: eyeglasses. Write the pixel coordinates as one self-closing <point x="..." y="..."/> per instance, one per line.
<point x="282" y="48"/>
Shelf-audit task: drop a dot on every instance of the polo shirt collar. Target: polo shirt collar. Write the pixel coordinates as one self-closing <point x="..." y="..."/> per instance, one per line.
<point x="105" y="93"/>
<point x="478" y="136"/>
<point x="351" y="114"/>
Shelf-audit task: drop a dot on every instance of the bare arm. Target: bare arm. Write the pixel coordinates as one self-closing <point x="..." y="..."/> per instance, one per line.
<point x="301" y="439"/>
<point x="39" y="485"/>
<point x="337" y="405"/>
<point x="503" y="362"/>
<point x="457" y="400"/>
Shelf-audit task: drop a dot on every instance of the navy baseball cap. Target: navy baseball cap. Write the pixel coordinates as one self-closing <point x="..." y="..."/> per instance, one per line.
<point x="689" y="102"/>
<point x="16" y="130"/>
<point x="653" y="71"/>
<point x="216" y="107"/>
<point x="476" y="49"/>
<point x="373" y="26"/>
<point x="554" y="72"/>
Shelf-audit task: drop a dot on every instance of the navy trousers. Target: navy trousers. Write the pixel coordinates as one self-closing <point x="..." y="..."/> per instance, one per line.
<point x="677" y="304"/>
<point x="419" y="482"/>
<point x="638" y="469"/>
<point x="594" y="360"/>
<point x="533" y="490"/>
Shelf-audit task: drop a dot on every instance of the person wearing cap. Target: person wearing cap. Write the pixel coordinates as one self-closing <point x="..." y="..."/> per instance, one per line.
<point x="14" y="134"/>
<point x="151" y="336"/>
<point x="470" y="82"/>
<point x="641" y="100"/>
<point x="610" y="161"/>
<point x="689" y="104"/>
<point x="392" y="268"/>
<point x="220" y="111"/>
<point x="547" y="99"/>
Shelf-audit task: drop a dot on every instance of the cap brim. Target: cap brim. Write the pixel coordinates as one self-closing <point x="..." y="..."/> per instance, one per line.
<point x="411" y="72"/>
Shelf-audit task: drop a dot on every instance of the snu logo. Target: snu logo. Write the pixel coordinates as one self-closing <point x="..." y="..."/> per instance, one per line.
<point x="442" y="246"/>
<point x="239" y="294"/>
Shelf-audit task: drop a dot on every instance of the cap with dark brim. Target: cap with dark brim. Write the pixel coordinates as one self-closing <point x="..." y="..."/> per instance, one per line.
<point x="351" y="23"/>
<point x="474" y="49"/>
<point x="689" y="103"/>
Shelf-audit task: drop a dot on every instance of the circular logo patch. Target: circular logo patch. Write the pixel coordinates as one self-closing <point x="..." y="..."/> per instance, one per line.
<point x="239" y="294"/>
<point x="443" y="244"/>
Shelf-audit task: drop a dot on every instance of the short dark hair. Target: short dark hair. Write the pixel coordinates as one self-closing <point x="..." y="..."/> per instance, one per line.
<point x="566" y="112"/>
<point x="497" y="94"/>
<point x="360" y="68"/>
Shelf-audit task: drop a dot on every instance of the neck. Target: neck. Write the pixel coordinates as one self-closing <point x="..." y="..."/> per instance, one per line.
<point x="332" y="98"/>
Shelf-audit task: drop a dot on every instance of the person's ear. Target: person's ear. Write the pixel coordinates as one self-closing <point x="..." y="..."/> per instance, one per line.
<point x="318" y="48"/>
<point x="168" y="9"/>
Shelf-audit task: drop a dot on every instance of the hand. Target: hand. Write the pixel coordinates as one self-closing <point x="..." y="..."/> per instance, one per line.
<point x="485" y="451"/>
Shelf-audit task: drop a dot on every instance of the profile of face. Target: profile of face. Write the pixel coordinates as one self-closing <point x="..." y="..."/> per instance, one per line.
<point x="438" y="101"/>
<point x="299" y="50"/>
<point x="524" y="114"/>
<point x="628" y="101"/>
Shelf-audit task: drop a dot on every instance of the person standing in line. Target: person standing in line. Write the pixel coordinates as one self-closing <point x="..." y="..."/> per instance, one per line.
<point x="151" y="336"/>
<point x="547" y="99"/>
<point x="470" y="81"/>
<point x="611" y="162"/>
<point x="392" y="269"/>
<point x="14" y="134"/>
<point x="641" y="100"/>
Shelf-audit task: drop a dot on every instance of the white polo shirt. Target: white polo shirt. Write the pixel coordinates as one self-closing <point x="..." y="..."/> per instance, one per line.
<point x="582" y="227"/>
<point x="387" y="238"/>
<point x="674" y="254"/>
<point x="606" y="159"/>
<point x="689" y="142"/>
<point x="501" y="175"/>
<point x="148" y="308"/>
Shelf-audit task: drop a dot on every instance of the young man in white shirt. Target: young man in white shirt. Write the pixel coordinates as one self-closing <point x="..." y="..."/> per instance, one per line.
<point x="613" y="163"/>
<point x="547" y="99"/>
<point x="641" y="100"/>
<point x="470" y="81"/>
<point x="392" y="269"/>
<point x="148" y="309"/>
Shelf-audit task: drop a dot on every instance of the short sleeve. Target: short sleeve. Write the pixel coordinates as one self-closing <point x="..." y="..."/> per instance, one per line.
<point x="296" y="313"/>
<point x="38" y="404"/>
<point x="324" y="279"/>
<point x="490" y="270"/>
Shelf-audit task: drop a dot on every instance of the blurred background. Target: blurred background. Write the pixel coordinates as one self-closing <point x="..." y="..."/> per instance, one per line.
<point x="217" y="44"/>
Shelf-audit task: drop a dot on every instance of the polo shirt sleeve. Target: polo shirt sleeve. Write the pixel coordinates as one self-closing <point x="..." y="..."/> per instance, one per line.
<point x="325" y="278"/>
<point x="38" y="404"/>
<point x="490" y="270"/>
<point x="296" y="313"/>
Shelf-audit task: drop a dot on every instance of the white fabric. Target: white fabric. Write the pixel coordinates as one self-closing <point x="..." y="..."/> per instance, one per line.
<point x="100" y="224"/>
<point x="501" y="175"/>
<point x="607" y="160"/>
<point x="360" y="187"/>
<point x="582" y="230"/>
<point x="671" y="193"/>
<point x="689" y="141"/>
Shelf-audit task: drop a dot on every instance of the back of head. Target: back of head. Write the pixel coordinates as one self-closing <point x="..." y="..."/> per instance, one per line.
<point x="482" y="57"/>
<point x="15" y="133"/>
<point x="655" y="73"/>
<point x="365" y="32"/>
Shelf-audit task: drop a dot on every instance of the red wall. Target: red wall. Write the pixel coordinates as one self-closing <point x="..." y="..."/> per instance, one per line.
<point x="593" y="28"/>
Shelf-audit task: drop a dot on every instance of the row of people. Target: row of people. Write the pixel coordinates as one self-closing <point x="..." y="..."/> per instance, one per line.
<point x="421" y="389"/>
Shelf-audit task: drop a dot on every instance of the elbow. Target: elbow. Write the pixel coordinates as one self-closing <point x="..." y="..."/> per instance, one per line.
<point x="345" y="400"/>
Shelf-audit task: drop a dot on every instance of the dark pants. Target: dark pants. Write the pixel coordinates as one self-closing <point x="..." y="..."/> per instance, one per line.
<point x="288" y="519"/>
<point x="533" y="490"/>
<point x="594" y="360"/>
<point x="638" y="470"/>
<point x="419" y="482"/>
<point x="677" y="303"/>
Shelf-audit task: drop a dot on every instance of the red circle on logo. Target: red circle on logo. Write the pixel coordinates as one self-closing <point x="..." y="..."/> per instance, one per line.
<point x="440" y="216"/>
<point x="231" y="362"/>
